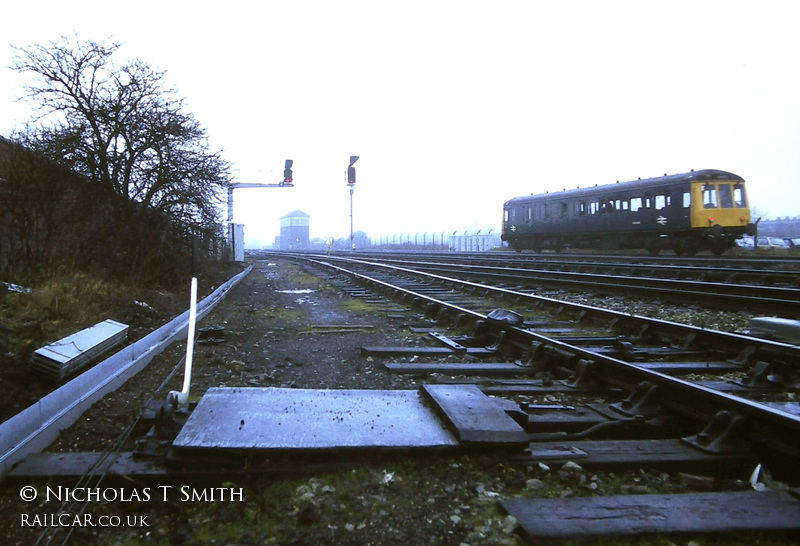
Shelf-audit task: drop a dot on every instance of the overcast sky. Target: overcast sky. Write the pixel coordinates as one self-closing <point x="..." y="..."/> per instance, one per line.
<point x="454" y="107"/>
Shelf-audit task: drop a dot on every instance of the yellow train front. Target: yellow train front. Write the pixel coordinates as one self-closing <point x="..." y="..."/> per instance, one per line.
<point x="689" y="212"/>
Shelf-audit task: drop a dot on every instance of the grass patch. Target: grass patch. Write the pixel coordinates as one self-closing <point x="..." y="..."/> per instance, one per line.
<point x="358" y="305"/>
<point x="56" y="309"/>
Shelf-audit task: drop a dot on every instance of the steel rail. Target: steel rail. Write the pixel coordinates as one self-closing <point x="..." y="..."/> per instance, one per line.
<point x="735" y="263"/>
<point x="610" y="266"/>
<point x="726" y="340"/>
<point x="772" y="299"/>
<point x="682" y="396"/>
<point x="743" y="264"/>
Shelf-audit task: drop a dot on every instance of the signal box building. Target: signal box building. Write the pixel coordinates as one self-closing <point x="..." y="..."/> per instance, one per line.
<point x="294" y="230"/>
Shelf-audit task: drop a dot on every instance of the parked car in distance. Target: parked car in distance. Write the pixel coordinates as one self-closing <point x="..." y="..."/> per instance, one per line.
<point x="772" y="243"/>
<point x="746" y="243"/>
<point x="793" y="242"/>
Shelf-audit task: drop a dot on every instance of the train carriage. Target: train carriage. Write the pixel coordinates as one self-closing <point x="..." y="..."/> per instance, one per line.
<point x="699" y="210"/>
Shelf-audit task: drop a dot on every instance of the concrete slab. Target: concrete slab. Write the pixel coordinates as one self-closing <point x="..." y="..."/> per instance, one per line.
<point x="311" y="419"/>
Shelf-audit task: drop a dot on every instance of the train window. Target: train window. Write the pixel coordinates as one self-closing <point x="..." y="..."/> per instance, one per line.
<point x="738" y="196"/>
<point x="505" y="215"/>
<point x="564" y="210"/>
<point x="687" y="199"/>
<point x="624" y="204"/>
<point x="594" y="207"/>
<point x="636" y="204"/>
<point x="547" y="211"/>
<point x="530" y="213"/>
<point x="725" y="196"/>
<point x="580" y="208"/>
<point x="663" y="201"/>
<point x="710" y="196"/>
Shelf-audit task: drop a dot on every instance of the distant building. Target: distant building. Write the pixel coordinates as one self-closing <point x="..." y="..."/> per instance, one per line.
<point x="294" y="230"/>
<point x="780" y="227"/>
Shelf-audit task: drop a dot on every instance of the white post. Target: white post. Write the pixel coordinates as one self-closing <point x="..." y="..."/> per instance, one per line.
<point x="181" y="398"/>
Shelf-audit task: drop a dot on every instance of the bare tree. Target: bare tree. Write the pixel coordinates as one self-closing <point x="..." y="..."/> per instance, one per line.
<point x="140" y="183"/>
<point x="123" y="129"/>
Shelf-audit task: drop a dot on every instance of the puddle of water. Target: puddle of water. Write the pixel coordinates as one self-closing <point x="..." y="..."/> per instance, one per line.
<point x="302" y="291"/>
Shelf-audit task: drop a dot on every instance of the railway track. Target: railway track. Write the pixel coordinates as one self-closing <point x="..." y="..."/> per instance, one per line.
<point x="564" y="385"/>
<point x="767" y="263"/>
<point x="766" y="290"/>
<point x="658" y="419"/>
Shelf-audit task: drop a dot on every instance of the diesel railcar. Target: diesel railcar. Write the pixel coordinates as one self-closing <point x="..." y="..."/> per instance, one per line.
<point x="689" y="212"/>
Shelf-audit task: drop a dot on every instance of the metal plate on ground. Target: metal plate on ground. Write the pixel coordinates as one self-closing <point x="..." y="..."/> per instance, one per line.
<point x="476" y="418"/>
<point x="66" y="356"/>
<point x="311" y="419"/>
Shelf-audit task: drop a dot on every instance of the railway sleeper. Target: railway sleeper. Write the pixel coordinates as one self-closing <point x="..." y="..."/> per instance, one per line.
<point x="725" y="512"/>
<point x="596" y="422"/>
<point x="721" y="441"/>
<point x="664" y="454"/>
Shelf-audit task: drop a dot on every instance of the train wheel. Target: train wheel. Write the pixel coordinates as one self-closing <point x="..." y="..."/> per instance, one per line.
<point x="652" y="248"/>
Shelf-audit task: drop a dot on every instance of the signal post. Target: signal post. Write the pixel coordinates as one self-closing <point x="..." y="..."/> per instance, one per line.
<point x="286" y="182"/>
<point x="351" y="182"/>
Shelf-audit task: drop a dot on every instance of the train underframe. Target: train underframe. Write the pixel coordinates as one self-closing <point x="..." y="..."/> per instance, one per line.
<point x="716" y="239"/>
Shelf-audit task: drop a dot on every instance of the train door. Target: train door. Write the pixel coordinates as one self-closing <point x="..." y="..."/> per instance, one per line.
<point x="681" y="207"/>
<point x="705" y="202"/>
